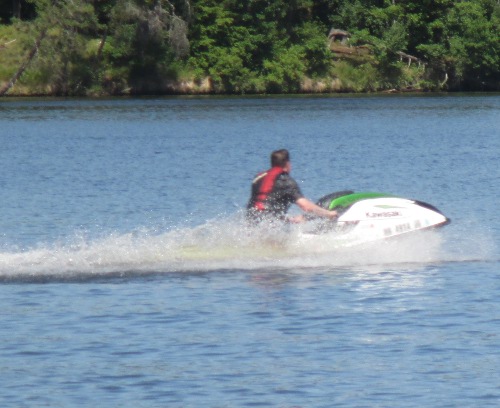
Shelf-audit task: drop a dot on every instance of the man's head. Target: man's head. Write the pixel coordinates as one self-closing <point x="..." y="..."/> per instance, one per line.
<point x="280" y="158"/>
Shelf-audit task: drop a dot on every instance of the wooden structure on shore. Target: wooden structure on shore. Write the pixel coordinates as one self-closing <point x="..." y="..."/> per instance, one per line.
<point x="409" y="58"/>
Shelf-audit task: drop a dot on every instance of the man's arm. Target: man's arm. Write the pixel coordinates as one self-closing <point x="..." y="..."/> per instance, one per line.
<point x="309" y="207"/>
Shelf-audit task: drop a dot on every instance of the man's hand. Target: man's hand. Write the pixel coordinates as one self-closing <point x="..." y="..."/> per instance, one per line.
<point x="333" y="214"/>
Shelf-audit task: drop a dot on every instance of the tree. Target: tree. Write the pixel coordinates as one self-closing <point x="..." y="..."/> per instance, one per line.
<point x="144" y="40"/>
<point x="62" y="62"/>
<point x="59" y="46"/>
<point x="473" y="46"/>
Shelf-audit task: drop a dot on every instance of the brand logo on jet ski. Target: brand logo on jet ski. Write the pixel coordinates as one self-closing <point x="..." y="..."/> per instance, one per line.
<point x="388" y="211"/>
<point x="384" y="214"/>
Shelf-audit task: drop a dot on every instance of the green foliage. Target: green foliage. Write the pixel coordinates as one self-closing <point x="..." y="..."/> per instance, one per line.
<point x="258" y="46"/>
<point x="457" y="39"/>
<point x="317" y="56"/>
<point x="437" y="66"/>
<point x="12" y="39"/>
<point x="474" y="47"/>
<point x="284" y="72"/>
<point x="468" y="53"/>
<point x="396" y="37"/>
<point x="228" y="72"/>
<point x="359" y="78"/>
<point x="140" y="46"/>
<point x="62" y="63"/>
<point x="144" y="42"/>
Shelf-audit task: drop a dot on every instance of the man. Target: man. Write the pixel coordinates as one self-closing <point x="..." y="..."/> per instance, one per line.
<point x="274" y="191"/>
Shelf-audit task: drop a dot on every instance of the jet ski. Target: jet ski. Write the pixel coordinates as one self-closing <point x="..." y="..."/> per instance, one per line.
<point x="371" y="216"/>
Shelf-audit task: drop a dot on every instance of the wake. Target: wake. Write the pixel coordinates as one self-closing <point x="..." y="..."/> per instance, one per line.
<point x="227" y="245"/>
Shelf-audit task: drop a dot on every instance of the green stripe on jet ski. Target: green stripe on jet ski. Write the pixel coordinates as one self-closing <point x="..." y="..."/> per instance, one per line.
<point x="347" y="200"/>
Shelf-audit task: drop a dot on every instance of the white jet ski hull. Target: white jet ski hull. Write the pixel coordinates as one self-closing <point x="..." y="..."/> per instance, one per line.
<point x="366" y="217"/>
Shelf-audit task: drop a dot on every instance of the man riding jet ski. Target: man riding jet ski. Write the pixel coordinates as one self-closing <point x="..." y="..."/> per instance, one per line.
<point x="363" y="216"/>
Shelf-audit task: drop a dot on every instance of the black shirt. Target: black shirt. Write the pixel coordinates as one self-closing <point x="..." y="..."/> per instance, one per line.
<point x="284" y="193"/>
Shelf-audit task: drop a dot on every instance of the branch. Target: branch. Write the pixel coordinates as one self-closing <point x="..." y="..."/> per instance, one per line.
<point x="4" y="45"/>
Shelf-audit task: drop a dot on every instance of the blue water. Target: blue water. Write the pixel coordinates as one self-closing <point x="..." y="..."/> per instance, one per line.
<point x="127" y="278"/>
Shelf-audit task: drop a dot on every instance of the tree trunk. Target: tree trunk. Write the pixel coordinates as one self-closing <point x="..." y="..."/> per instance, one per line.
<point x="24" y="65"/>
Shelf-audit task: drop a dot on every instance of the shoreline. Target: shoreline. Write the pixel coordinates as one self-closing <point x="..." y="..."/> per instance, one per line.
<point x="387" y="93"/>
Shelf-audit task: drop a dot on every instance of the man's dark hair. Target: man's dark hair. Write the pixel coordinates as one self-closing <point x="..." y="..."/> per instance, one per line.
<point x="279" y="158"/>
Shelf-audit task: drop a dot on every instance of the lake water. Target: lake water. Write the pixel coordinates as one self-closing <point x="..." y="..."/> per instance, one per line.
<point x="128" y="280"/>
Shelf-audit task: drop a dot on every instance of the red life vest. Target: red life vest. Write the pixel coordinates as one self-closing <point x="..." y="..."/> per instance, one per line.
<point x="266" y="186"/>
